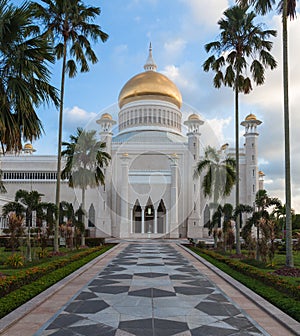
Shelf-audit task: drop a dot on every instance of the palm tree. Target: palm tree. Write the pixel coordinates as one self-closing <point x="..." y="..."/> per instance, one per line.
<point x="219" y="175"/>
<point x="242" y="49"/>
<point x="23" y="206"/>
<point x="24" y="76"/>
<point x="69" y="24"/>
<point x="288" y="10"/>
<point x="262" y="203"/>
<point x="85" y="162"/>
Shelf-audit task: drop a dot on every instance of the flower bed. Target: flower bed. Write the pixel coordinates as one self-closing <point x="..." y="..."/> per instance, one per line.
<point x="23" y="293"/>
<point x="11" y="283"/>
<point x="280" y="293"/>
<point x="268" y="278"/>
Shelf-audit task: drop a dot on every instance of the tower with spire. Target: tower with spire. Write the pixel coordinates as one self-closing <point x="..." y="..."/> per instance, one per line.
<point x="251" y="157"/>
<point x="150" y="65"/>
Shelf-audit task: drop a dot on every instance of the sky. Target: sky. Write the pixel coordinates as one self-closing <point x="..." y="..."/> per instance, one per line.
<point x="178" y="30"/>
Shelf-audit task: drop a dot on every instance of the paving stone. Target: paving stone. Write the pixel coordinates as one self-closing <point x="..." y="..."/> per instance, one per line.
<point x="150" y="291"/>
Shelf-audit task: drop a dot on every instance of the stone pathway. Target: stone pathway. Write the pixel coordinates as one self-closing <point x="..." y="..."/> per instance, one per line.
<point x="150" y="290"/>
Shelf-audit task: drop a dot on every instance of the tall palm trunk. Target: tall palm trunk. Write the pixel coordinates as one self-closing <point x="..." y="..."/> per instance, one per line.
<point x="237" y="170"/>
<point x="289" y="252"/>
<point x="83" y="217"/>
<point x="58" y="178"/>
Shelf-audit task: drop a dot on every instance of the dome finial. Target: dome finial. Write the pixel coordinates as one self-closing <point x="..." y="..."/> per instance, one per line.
<point x="150" y="64"/>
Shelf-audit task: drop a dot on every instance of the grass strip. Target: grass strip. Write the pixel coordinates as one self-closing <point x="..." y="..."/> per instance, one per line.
<point x="20" y="296"/>
<point x="283" y="301"/>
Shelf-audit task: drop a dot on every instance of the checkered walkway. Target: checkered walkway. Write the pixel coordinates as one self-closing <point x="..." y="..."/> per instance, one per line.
<point x="150" y="290"/>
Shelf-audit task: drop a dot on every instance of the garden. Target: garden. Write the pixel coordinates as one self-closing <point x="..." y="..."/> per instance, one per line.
<point x="278" y="284"/>
<point x="22" y="279"/>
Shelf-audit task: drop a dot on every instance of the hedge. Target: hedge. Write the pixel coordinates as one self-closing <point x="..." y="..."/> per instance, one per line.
<point x="246" y="274"/>
<point x="277" y="282"/>
<point x="11" y="283"/>
<point x="20" y="296"/>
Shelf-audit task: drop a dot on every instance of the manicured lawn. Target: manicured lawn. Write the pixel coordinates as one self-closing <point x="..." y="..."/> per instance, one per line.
<point x="29" y="281"/>
<point x="283" y="292"/>
<point x="7" y="270"/>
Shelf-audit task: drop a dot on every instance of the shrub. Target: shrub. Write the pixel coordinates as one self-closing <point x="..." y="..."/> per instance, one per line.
<point x="12" y="283"/>
<point x="15" y="261"/>
<point x="268" y="278"/>
<point x="286" y="301"/>
<point x="93" y="242"/>
<point x="21" y="295"/>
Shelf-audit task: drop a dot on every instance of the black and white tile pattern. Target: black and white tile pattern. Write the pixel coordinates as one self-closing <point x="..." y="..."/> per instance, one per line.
<point x="150" y="290"/>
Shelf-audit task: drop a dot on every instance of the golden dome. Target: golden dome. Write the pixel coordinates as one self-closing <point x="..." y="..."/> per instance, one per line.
<point x="28" y="146"/>
<point x="106" y="116"/>
<point x="251" y="117"/>
<point x="150" y="85"/>
<point x="261" y="173"/>
<point x="194" y="116"/>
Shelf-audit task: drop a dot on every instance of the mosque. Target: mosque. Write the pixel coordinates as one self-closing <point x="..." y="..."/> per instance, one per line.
<point x="150" y="189"/>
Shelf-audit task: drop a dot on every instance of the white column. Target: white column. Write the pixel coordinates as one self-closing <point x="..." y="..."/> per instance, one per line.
<point x="155" y="220"/>
<point x="131" y="219"/>
<point x="124" y="196"/>
<point x="167" y="221"/>
<point x="174" y="196"/>
<point x="143" y="219"/>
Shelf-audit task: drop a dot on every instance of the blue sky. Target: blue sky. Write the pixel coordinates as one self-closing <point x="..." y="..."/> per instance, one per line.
<point x="178" y="30"/>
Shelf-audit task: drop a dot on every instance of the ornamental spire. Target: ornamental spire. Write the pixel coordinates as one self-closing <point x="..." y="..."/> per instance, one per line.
<point x="150" y="64"/>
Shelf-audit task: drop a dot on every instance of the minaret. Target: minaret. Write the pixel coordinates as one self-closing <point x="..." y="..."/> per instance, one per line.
<point x="252" y="179"/>
<point x="195" y="229"/>
<point x="106" y="123"/>
<point x="150" y="64"/>
<point x="261" y="180"/>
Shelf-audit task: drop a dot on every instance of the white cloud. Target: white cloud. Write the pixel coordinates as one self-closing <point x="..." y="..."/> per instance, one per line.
<point x="218" y="127"/>
<point x="206" y="13"/>
<point x="174" y="47"/>
<point x="76" y="117"/>
<point x="173" y="73"/>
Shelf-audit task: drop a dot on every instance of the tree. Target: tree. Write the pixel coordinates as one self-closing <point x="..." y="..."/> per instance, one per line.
<point x="24" y="76"/>
<point x="69" y="25"/>
<point x="242" y="49"/>
<point x="23" y="206"/>
<point x="262" y="220"/>
<point x="85" y="162"/>
<point x="15" y="230"/>
<point x="219" y="175"/>
<point x="288" y="10"/>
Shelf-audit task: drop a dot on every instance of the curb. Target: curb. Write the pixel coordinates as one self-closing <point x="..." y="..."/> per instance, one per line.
<point x="17" y="314"/>
<point x="273" y="311"/>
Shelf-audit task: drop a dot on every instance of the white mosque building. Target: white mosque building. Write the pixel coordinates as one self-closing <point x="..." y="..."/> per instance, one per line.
<point x="150" y="190"/>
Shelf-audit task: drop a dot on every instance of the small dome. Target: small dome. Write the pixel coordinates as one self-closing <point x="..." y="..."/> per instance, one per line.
<point x="106" y="116"/>
<point x="251" y="117"/>
<point x="28" y="146"/>
<point x="193" y="116"/>
<point x="261" y="173"/>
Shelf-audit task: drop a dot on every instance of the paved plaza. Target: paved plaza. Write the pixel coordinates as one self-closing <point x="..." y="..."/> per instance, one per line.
<point x="148" y="289"/>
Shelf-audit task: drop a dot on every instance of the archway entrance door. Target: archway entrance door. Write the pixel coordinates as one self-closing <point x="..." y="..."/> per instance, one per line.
<point x="149" y="219"/>
<point x="161" y="217"/>
<point x="137" y="218"/>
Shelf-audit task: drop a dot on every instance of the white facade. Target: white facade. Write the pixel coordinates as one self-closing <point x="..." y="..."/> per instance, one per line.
<point x="150" y="190"/>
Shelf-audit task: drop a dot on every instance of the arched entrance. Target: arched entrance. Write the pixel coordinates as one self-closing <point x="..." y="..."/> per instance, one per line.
<point x="137" y="217"/>
<point x="161" y="217"/>
<point x="149" y="217"/>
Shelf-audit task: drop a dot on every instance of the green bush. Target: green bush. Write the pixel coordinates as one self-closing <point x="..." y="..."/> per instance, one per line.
<point x="286" y="298"/>
<point x="9" y="284"/>
<point x="93" y="242"/>
<point x="267" y="278"/>
<point x="15" y="261"/>
<point x="21" y="295"/>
